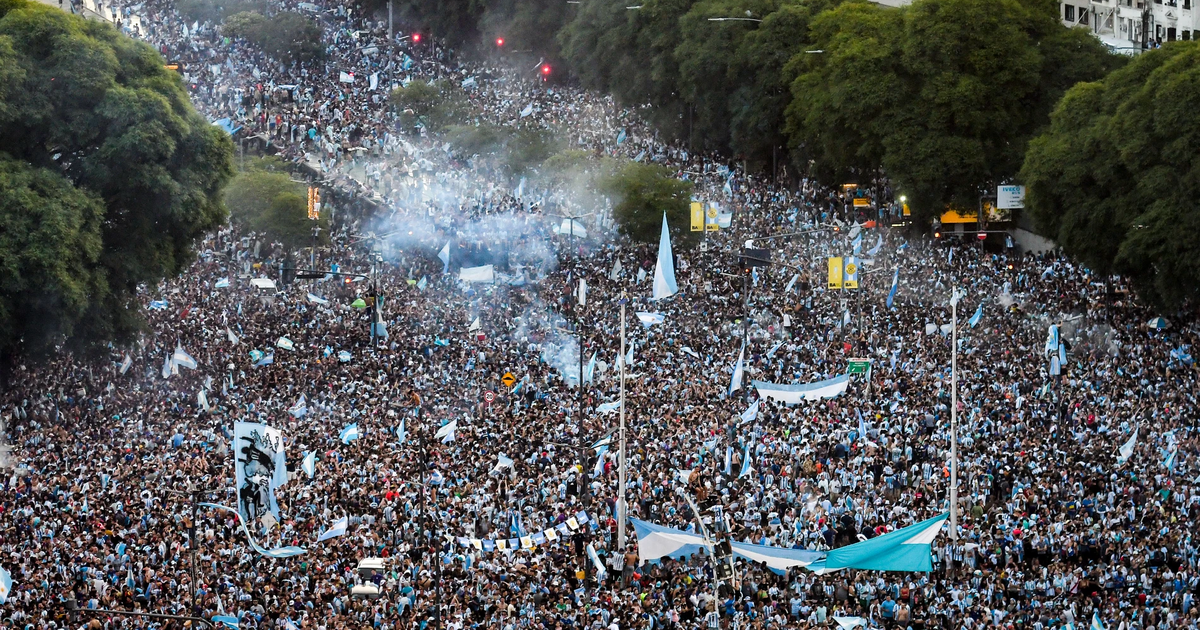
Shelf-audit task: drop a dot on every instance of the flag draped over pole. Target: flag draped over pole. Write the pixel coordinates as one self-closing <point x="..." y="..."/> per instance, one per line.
<point x="735" y="383"/>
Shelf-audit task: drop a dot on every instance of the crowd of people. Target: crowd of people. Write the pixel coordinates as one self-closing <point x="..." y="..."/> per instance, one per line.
<point x="113" y="465"/>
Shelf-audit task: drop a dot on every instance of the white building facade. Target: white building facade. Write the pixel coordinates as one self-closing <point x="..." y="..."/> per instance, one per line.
<point x="1120" y="23"/>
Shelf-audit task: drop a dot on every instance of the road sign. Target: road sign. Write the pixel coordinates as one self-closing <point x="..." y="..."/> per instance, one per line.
<point x="489" y="397"/>
<point x="859" y="366"/>
<point x="508" y="379"/>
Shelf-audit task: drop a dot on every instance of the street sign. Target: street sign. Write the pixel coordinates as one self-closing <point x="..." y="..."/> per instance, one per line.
<point x="858" y="366"/>
<point x="508" y="379"/>
<point x="489" y="397"/>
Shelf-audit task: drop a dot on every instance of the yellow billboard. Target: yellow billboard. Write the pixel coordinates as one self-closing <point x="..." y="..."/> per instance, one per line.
<point x="697" y="216"/>
<point x="835" y="272"/>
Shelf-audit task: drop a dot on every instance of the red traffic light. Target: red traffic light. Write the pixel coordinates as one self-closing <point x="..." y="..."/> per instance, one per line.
<point x="937" y="235"/>
<point x="499" y="41"/>
<point x="546" y="69"/>
<point x="416" y="38"/>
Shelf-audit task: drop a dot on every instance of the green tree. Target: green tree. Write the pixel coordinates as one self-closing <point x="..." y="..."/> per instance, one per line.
<point x="1113" y="181"/>
<point x="437" y="105"/>
<point x="81" y="100"/>
<point x="527" y="149"/>
<point x="642" y="193"/>
<point x="524" y="24"/>
<point x="263" y="198"/>
<point x="286" y="36"/>
<point x="942" y="94"/>
<point x="631" y="53"/>
<point x="215" y="10"/>
<point x="50" y="247"/>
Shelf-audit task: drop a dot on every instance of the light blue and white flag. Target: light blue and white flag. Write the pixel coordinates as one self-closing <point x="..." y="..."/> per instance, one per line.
<point x="316" y="299"/>
<point x="621" y="137"/>
<point x="343" y="356"/>
<point x="875" y="250"/>
<point x="285" y="343"/>
<point x="1052" y="340"/>
<point x="590" y="371"/>
<point x="181" y="358"/>
<point x="895" y="286"/>
<point x="157" y="305"/>
<point x="126" y="363"/>
<point x="422" y="283"/>
<point x="349" y="433"/>
<point x="601" y="572"/>
<point x="746" y="467"/>
<point x="446" y="432"/>
<point x="1096" y="623"/>
<point x="974" y="321"/>
<point x="520" y="192"/>
<point x="664" y="269"/>
<point x="609" y="407"/>
<point x="735" y="383"/>
<point x="856" y="244"/>
<point x="862" y="426"/>
<point x="444" y="255"/>
<point x="309" y="464"/>
<point x="1169" y="461"/>
<point x="401" y="434"/>
<point x="5" y="585"/>
<point x="265" y="361"/>
<point x="650" y="319"/>
<point x="1126" y="450"/>
<point x="300" y="408"/>
<point x="728" y="460"/>
<point x="791" y="283"/>
<point x="528" y="111"/>
<point x="599" y="468"/>
<point x="337" y="529"/>
<point x="751" y="414"/>
<point x="279" y="552"/>
<point x="223" y="283"/>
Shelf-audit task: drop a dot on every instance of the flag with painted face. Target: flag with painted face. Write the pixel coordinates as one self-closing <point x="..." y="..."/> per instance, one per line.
<point x="259" y="469"/>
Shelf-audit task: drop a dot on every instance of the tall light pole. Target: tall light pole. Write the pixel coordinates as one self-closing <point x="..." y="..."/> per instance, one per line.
<point x="954" y="415"/>
<point x="621" y="455"/>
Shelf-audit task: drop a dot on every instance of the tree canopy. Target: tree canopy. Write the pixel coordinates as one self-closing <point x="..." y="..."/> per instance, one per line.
<point x="263" y="198"/>
<point x="942" y="94"/>
<point x="1114" y="178"/>
<point x="642" y="193"/>
<point x="287" y="35"/>
<point x="436" y="105"/>
<point x="106" y="167"/>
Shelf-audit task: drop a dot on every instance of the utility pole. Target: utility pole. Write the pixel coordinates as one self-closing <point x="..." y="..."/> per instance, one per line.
<point x="391" y="33"/>
<point x="583" y="445"/>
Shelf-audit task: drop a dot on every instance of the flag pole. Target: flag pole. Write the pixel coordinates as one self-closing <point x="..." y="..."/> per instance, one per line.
<point x="621" y="455"/>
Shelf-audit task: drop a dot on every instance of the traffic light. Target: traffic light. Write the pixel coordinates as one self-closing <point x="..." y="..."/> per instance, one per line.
<point x="499" y="42"/>
<point x="937" y="234"/>
<point x="546" y="70"/>
<point x="416" y="37"/>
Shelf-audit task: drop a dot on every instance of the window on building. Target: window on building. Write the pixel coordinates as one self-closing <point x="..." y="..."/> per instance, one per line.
<point x="1069" y="12"/>
<point x="1187" y="4"/>
<point x="1185" y="35"/>
<point x="1083" y="15"/>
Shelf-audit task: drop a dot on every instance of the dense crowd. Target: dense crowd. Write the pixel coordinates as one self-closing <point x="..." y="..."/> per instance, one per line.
<point x="109" y="459"/>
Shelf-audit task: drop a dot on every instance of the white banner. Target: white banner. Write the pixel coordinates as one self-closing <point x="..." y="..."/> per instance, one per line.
<point x="485" y="273"/>
<point x="1009" y="197"/>
<point x="259" y="468"/>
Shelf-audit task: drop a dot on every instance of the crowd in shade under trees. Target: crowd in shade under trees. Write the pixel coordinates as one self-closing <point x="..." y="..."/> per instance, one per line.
<point x="107" y="178"/>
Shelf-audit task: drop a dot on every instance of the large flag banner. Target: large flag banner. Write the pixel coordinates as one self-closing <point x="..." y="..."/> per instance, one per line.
<point x="664" y="269"/>
<point x="792" y="394"/>
<point x="259" y="469"/>
<point x="906" y="549"/>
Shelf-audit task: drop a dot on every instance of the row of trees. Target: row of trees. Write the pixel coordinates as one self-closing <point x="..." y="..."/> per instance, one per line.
<point x="942" y="95"/>
<point x="108" y="177"/>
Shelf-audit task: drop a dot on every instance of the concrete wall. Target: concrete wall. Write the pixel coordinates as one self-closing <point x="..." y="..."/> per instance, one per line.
<point x="1029" y="242"/>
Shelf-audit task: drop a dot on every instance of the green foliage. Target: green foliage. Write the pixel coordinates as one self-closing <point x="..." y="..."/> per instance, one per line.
<point x="457" y="21"/>
<point x="287" y="36"/>
<point x="942" y="94"/>
<point x="472" y="140"/>
<point x="263" y="198"/>
<point x="99" y="110"/>
<point x="437" y="105"/>
<point x="642" y="193"/>
<point x="1113" y="180"/>
<point x="524" y="24"/>
<point x="50" y="247"/>
<point x="215" y="10"/>
<point x="526" y="149"/>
